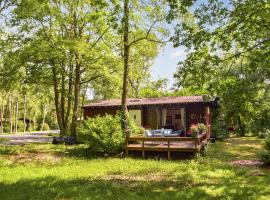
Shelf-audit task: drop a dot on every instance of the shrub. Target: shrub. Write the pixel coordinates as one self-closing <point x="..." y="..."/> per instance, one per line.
<point x="46" y="127"/>
<point x="201" y="127"/>
<point x="219" y="130"/>
<point x="265" y="156"/>
<point x="6" y="127"/>
<point x="20" y="126"/>
<point x="102" y="134"/>
<point x="263" y="134"/>
<point x="134" y="128"/>
<point x="194" y="130"/>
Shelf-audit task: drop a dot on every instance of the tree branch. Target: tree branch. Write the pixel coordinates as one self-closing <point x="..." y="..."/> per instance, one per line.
<point x="148" y="33"/>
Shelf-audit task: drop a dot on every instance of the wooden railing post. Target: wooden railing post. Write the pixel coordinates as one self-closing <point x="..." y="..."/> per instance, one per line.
<point x="126" y="147"/>
<point x="208" y="132"/>
<point x="169" y="151"/>
<point x="143" y="153"/>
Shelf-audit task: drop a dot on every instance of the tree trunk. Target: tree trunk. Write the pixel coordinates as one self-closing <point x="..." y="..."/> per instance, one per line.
<point x="83" y="99"/>
<point x="69" y="98"/>
<point x="63" y="101"/>
<point x="24" y="113"/>
<point x="44" y="117"/>
<point x="56" y="101"/>
<point x="34" y="121"/>
<point x="2" y="117"/>
<point x="10" y="113"/>
<point x="126" y="68"/>
<point x="30" y="120"/>
<point x="241" y="126"/>
<point x="16" y="116"/>
<point x="77" y="88"/>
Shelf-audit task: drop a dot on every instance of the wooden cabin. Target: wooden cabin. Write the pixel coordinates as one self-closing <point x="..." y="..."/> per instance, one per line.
<point x="177" y="113"/>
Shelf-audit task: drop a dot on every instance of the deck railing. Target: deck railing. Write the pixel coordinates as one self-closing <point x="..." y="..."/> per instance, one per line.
<point x="167" y="144"/>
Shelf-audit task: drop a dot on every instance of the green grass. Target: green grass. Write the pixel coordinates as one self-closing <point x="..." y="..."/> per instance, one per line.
<point x="59" y="172"/>
<point x="4" y="139"/>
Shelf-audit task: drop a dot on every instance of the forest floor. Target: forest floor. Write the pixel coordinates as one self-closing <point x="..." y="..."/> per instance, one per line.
<point x="227" y="170"/>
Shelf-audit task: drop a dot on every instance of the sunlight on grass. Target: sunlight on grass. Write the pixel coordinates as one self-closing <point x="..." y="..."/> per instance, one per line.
<point x="54" y="172"/>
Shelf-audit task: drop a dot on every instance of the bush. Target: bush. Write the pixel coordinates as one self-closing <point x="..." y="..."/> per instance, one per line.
<point x="264" y="134"/>
<point x="6" y="127"/>
<point x="219" y="130"/>
<point x="201" y="127"/>
<point x="20" y="126"/>
<point x="46" y="127"/>
<point x="265" y="156"/>
<point x="134" y="128"/>
<point x="104" y="133"/>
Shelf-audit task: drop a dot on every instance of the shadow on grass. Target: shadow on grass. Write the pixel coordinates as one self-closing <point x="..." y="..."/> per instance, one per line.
<point x="53" y="188"/>
<point x="84" y="152"/>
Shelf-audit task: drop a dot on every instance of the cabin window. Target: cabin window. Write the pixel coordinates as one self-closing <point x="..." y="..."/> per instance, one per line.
<point x="134" y="116"/>
<point x="169" y="121"/>
<point x="177" y="116"/>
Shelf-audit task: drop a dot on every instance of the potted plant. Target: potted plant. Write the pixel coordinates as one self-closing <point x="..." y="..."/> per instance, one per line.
<point x="201" y="128"/>
<point x="194" y="130"/>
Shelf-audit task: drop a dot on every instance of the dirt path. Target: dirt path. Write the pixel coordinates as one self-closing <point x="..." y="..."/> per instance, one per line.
<point x="26" y="138"/>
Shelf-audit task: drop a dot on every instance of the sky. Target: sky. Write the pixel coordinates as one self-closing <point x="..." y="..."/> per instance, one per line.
<point x="166" y="63"/>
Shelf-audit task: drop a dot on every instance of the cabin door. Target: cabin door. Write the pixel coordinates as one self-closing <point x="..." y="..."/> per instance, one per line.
<point x="136" y="116"/>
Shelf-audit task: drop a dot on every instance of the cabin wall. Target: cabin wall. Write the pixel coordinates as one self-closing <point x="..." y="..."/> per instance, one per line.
<point x="151" y="116"/>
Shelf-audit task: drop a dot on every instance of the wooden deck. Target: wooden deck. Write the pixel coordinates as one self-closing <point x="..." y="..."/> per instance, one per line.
<point x="168" y="144"/>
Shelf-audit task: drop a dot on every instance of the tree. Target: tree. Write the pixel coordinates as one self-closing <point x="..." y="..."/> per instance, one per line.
<point x="65" y="48"/>
<point x="146" y="17"/>
<point x="225" y="42"/>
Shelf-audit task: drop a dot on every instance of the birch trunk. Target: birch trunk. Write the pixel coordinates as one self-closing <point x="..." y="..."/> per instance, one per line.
<point x="34" y="121"/>
<point x="44" y="117"/>
<point x="16" y="116"/>
<point x="30" y="120"/>
<point x="2" y="117"/>
<point x="24" y="113"/>
<point x="10" y="112"/>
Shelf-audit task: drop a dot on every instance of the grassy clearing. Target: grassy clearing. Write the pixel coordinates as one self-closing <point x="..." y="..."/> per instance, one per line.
<point x="59" y="172"/>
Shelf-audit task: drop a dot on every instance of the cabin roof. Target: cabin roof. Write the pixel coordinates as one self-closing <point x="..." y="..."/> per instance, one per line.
<point x="197" y="99"/>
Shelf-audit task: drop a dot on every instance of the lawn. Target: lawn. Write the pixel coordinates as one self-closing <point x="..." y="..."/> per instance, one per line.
<point x="59" y="172"/>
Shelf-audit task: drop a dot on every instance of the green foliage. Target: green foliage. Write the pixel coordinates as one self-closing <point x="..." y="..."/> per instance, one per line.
<point x="264" y="134"/>
<point x="46" y="127"/>
<point x="219" y="130"/>
<point x="102" y="134"/>
<point x="224" y="58"/>
<point x="201" y="127"/>
<point x="6" y="127"/>
<point x="265" y="156"/>
<point x="134" y="128"/>
<point x="20" y="126"/>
